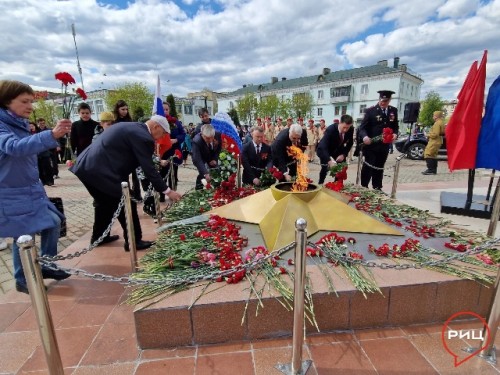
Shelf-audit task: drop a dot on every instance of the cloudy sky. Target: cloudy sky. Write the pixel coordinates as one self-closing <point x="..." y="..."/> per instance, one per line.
<point x="223" y="44"/>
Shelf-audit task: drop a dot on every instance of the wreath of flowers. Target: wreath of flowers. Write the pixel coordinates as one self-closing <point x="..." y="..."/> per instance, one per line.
<point x="228" y="165"/>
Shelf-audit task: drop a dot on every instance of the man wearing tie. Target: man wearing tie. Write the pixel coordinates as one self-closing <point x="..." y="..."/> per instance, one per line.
<point x="205" y="147"/>
<point x="255" y="156"/>
<point x="335" y="145"/>
<point x="294" y="135"/>
<point x="376" y="118"/>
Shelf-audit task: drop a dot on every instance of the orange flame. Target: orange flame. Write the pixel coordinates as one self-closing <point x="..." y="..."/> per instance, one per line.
<point x="300" y="183"/>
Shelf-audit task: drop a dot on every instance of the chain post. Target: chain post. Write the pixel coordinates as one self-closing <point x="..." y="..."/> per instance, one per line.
<point x="156" y="197"/>
<point x="297" y="366"/>
<point x="493" y="321"/>
<point x="492" y="227"/>
<point x="238" y="173"/>
<point x="395" y="177"/>
<point x="360" y="165"/>
<point x="130" y="227"/>
<point x="40" y="303"/>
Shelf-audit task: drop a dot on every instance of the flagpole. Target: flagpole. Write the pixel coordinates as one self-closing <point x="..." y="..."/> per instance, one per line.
<point x="77" y="57"/>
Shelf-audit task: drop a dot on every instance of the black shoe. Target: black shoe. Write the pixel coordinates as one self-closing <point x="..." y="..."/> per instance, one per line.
<point x="107" y="239"/>
<point x="23" y="288"/>
<point x="428" y="172"/>
<point x="139" y="245"/>
<point x="54" y="274"/>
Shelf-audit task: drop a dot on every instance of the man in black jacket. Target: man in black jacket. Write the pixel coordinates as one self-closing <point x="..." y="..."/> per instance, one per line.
<point x="205" y="147"/>
<point x="335" y="145"/>
<point x="255" y="156"/>
<point x="376" y="118"/>
<point x="110" y="160"/>
<point x="294" y="135"/>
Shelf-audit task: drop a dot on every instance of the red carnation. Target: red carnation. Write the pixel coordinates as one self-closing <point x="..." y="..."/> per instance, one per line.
<point x="65" y="78"/>
<point x="178" y="154"/>
<point x="81" y="93"/>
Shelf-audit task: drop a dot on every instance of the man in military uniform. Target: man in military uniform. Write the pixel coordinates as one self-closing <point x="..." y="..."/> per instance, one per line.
<point x="376" y="118"/>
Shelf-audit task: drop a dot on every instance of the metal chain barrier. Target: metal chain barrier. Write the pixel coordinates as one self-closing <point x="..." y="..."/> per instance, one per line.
<point x="47" y="262"/>
<point x="46" y="259"/>
<point x="431" y="263"/>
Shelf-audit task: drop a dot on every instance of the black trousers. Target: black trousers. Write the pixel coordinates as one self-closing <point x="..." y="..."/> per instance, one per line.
<point x="377" y="158"/>
<point x="199" y="185"/>
<point x="322" y="173"/>
<point x="45" y="170"/>
<point x="104" y="207"/>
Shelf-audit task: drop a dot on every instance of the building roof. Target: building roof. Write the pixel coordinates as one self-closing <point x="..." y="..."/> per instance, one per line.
<point x="341" y="75"/>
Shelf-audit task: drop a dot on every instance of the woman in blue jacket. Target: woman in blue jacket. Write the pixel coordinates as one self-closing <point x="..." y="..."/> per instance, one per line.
<point x="24" y="206"/>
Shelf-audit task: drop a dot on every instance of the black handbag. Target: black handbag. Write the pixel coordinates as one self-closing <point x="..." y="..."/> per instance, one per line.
<point x="59" y="205"/>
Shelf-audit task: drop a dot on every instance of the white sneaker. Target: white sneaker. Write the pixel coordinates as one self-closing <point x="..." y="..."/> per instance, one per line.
<point x="3" y="244"/>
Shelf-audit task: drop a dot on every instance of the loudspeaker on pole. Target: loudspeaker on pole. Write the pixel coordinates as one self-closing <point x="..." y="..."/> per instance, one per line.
<point x="411" y="112"/>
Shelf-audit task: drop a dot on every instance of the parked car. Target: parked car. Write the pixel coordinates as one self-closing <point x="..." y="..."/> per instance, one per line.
<point x="414" y="146"/>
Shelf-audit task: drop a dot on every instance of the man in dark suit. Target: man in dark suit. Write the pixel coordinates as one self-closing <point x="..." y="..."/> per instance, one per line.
<point x="294" y="135"/>
<point x="335" y="145"/>
<point x="255" y="156"/>
<point x="376" y="118"/>
<point x="109" y="160"/>
<point x="205" y="147"/>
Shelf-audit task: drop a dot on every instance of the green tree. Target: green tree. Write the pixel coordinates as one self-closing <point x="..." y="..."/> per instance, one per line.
<point x="431" y="103"/>
<point x="233" y="113"/>
<point x="137" y="96"/>
<point x="138" y="114"/>
<point x="268" y="106"/>
<point x="171" y="103"/>
<point x="302" y="104"/>
<point x="47" y="110"/>
<point x="285" y="108"/>
<point x="246" y="107"/>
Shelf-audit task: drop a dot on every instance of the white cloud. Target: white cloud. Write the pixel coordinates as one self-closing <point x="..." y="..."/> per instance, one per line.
<point x="228" y="43"/>
<point x="458" y="8"/>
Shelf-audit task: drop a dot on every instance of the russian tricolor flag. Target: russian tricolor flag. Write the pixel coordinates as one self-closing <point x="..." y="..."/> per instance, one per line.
<point x="158" y="103"/>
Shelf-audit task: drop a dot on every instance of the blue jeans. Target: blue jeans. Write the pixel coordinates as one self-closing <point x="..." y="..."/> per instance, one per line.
<point x="49" y="236"/>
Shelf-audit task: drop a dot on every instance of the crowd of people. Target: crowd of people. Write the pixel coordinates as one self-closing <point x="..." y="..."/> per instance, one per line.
<point x="111" y="150"/>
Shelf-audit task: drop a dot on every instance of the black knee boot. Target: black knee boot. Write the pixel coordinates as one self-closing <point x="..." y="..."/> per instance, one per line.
<point x="431" y="167"/>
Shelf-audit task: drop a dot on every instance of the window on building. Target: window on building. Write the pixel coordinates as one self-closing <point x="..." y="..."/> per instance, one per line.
<point x="320" y="94"/>
<point x="188" y="109"/>
<point x="320" y="111"/>
<point x="231" y="105"/>
<point x="178" y="108"/>
<point x="340" y="91"/>
<point x="344" y="110"/>
<point x="362" y="108"/>
<point x="412" y="90"/>
<point x="337" y="110"/>
<point x="364" y="89"/>
<point x="99" y="105"/>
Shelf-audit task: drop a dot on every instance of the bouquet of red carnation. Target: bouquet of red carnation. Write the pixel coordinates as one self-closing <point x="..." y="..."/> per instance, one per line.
<point x="269" y="176"/>
<point x="385" y="137"/>
<point x="339" y="171"/>
<point x="68" y="100"/>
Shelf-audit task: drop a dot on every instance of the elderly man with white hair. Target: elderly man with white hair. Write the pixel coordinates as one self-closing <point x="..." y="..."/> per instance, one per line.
<point x="294" y="135"/>
<point x="109" y="160"/>
<point x="205" y="148"/>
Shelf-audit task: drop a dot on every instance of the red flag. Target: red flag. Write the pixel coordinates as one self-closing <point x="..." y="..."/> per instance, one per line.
<point x="462" y="131"/>
<point x="468" y="80"/>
